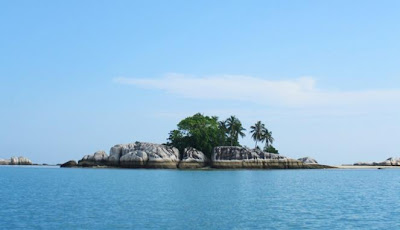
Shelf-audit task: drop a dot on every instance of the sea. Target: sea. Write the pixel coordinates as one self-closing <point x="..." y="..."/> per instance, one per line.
<point x="74" y="198"/>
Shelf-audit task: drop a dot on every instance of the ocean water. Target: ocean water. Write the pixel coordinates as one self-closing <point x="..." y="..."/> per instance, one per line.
<point x="55" y="198"/>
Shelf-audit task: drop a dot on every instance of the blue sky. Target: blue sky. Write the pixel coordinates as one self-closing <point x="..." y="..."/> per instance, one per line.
<point x="81" y="76"/>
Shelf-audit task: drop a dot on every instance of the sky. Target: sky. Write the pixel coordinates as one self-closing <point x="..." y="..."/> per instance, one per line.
<point x="81" y="76"/>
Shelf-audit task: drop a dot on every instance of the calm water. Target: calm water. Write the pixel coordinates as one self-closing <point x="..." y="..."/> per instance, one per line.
<point x="54" y="198"/>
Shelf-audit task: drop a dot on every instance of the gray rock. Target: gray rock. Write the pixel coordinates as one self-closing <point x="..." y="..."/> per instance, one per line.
<point x="362" y="163"/>
<point x="99" y="158"/>
<point x="308" y="160"/>
<point x="239" y="157"/>
<point x="392" y="161"/>
<point x="148" y="155"/>
<point x="16" y="161"/>
<point x="241" y="153"/>
<point x="115" y="155"/>
<point x="193" y="158"/>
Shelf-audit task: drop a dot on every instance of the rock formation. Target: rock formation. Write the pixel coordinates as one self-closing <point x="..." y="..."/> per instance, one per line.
<point x="116" y="153"/>
<point x="308" y="160"/>
<point x="239" y="157"/>
<point x="99" y="158"/>
<point x="193" y="158"/>
<point x="148" y="155"/>
<point x="392" y="161"/>
<point x="16" y="161"/>
<point x="69" y="164"/>
<point x="134" y="155"/>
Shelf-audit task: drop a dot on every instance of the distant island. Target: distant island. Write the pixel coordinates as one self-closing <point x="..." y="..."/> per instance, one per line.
<point x="16" y="161"/>
<point x="200" y="142"/>
<point x="149" y="155"/>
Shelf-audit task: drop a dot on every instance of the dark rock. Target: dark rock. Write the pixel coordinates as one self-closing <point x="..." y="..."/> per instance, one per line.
<point x="69" y="164"/>
<point x="239" y="157"/>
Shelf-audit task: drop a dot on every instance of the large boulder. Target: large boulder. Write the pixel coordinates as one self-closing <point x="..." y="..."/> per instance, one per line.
<point x="193" y="158"/>
<point x="69" y="164"/>
<point x="148" y="155"/>
<point x="308" y="160"/>
<point x="115" y="155"/>
<point x="99" y="158"/>
<point x="240" y="157"/>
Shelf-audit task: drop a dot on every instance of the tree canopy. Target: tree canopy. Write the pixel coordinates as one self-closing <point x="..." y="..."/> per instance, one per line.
<point x="198" y="131"/>
<point x="205" y="132"/>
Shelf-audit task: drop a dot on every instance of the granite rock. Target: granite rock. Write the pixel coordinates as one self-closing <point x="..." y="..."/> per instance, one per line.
<point x="16" y="161"/>
<point x="148" y="155"/>
<point x="308" y="160"/>
<point x="193" y="158"/>
<point x="392" y="161"/>
<point x="99" y="158"/>
<point x="239" y="157"/>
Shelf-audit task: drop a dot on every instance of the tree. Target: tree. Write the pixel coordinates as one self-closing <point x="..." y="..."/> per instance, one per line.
<point x="223" y="133"/>
<point x="258" y="132"/>
<point x="235" y="129"/>
<point x="198" y="131"/>
<point x="268" y="138"/>
<point x="271" y="149"/>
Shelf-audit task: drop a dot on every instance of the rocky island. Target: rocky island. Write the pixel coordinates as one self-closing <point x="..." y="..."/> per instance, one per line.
<point x="16" y="161"/>
<point x="392" y="161"/>
<point x="149" y="155"/>
<point x="200" y="142"/>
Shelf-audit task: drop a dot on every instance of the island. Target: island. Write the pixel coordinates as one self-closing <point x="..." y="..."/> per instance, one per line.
<point x="200" y="141"/>
<point x="149" y="155"/>
<point x="16" y="161"/>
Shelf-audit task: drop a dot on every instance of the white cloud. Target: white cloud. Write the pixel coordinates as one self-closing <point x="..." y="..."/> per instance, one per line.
<point x="296" y="93"/>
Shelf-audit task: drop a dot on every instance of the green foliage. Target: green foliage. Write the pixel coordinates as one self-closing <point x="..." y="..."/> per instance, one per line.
<point x="234" y="130"/>
<point x="198" y="131"/>
<point x="204" y="133"/>
<point x="258" y="132"/>
<point x="267" y="136"/>
<point x="271" y="149"/>
<point x="261" y="133"/>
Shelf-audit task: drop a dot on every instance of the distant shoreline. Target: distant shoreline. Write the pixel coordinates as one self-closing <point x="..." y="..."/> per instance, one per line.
<point x="366" y="167"/>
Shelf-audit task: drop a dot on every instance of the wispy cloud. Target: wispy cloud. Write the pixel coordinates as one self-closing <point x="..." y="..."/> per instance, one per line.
<point x="296" y="93"/>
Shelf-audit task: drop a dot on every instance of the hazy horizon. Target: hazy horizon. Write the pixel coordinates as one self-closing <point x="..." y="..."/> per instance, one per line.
<point x="82" y="76"/>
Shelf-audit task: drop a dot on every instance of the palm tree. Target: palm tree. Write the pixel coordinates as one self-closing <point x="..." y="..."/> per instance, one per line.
<point x="268" y="138"/>
<point x="258" y="132"/>
<point x="235" y="129"/>
<point x="223" y="130"/>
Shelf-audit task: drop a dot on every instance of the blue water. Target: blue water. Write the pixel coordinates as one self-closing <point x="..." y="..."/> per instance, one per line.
<point x="54" y="198"/>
